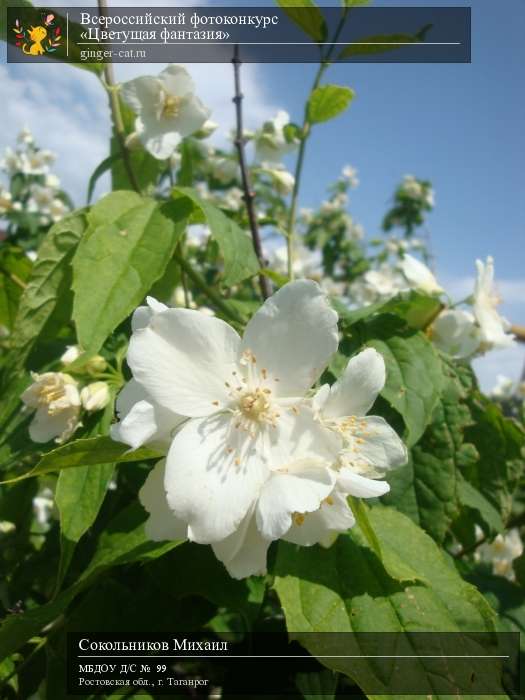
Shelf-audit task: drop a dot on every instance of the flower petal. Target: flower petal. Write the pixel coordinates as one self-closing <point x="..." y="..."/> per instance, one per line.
<point x="61" y="425"/>
<point x="176" y="80"/>
<point x="162" y="523"/>
<point x="379" y="446"/>
<point x="141" y="93"/>
<point x="332" y="517"/>
<point x="143" y="314"/>
<point x="299" y="489"/>
<point x="183" y="359"/>
<point x="141" y="420"/>
<point x="360" y="486"/>
<point x="213" y="476"/>
<point x="357" y="389"/>
<point x="293" y="335"/>
<point x="244" y="552"/>
<point x="191" y="117"/>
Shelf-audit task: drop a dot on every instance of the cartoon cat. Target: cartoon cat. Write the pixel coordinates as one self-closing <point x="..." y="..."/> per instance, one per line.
<point x="36" y="35"/>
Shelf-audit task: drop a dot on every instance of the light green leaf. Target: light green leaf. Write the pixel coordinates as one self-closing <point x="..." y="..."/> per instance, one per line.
<point x="48" y="285"/>
<point x="383" y="42"/>
<point x="416" y="309"/>
<point x="346" y="589"/>
<point x="240" y="261"/>
<point x="15" y="268"/>
<point x="118" y="262"/>
<point x="327" y="102"/>
<point x="123" y="542"/>
<point x="85" y="452"/>
<point x="307" y="16"/>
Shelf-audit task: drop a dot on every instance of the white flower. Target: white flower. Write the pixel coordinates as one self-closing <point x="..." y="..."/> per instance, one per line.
<point x="36" y="162"/>
<point x="11" y="162"/>
<point x="350" y="174"/>
<point x="233" y="198"/>
<point x="224" y="170"/>
<point x="270" y="142"/>
<point x="71" y="354"/>
<point x="25" y="136"/>
<point x="243" y="398"/>
<point x="455" y="332"/>
<point x="411" y="187"/>
<point x="370" y="445"/>
<point x="167" y="109"/>
<point x="6" y="201"/>
<point x="419" y="276"/>
<point x="43" y="506"/>
<point x="95" y="396"/>
<point x="284" y="181"/>
<point x="207" y="129"/>
<point x="501" y="552"/>
<point x="52" y="181"/>
<point x="375" y="285"/>
<point x="250" y="458"/>
<point x="55" y="397"/>
<point x="493" y="327"/>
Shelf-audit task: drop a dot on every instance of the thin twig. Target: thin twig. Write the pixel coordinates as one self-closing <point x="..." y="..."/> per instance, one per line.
<point x="116" y="114"/>
<point x="249" y="194"/>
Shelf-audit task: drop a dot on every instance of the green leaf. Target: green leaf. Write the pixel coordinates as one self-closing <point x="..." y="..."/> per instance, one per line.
<point x="500" y="442"/>
<point x="145" y="167"/>
<point x="327" y="102"/>
<point x="15" y="268"/>
<point x="427" y="489"/>
<point x="85" y="452"/>
<point x="307" y="16"/>
<point x="79" y="495"/>
<point x="471" y="497"/>
<point x="118" y="262"/>
<point x="200" y="573"/>
<point x="240" y="261"/>
<point x="48" y="285"/>
<point x="416" y="309"/>
<point x="123" y="542"/>
<point x="101" y="168"/>
<point x="317" y="686"/>
<point x="379" y="43"/>
<point x="346" y="589"/>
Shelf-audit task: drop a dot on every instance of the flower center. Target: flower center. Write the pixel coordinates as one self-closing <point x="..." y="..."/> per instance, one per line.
<point x="256" y="406"/>
<point x="171" y="106"/>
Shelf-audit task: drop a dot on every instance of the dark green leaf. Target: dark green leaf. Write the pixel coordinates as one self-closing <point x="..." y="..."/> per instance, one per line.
<point x="307" y="16"/>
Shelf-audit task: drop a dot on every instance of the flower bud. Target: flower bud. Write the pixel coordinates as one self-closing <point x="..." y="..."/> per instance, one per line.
<point x="95" y="396"/>
<point x="71" y="354"/>
<point x="96" y="364"/>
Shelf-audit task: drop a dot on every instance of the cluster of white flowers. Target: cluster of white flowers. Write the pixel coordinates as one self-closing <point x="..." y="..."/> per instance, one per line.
<point x="167" y="110"/>
<point x="306" y="262"/>
<point x="501" y="552"/>
<point x="40" y="190"/>
<point x="462" y="333"/>
<point x="252" y="453"/>
<point x="271" y="144"/>
<point x="411" y="187"/>
<point x="58" y="399"/>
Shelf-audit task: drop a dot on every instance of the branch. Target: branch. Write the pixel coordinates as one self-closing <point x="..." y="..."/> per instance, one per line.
<point x="519" y="332"/>
<point x="249" y="194"/>
<point x="116" y="114"/>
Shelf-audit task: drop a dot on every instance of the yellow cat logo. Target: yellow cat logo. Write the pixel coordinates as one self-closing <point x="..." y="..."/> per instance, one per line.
<point x="45" y="38"/>
<point x="37" y="36"/>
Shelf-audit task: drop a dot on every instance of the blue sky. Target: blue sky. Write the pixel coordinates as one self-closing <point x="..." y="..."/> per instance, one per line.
<point x="459" y="125"/>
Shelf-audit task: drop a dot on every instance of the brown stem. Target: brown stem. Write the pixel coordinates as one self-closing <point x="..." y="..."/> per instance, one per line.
<point x="116" y="114"/>
<point x="519" y="332"/>
<point x="249" y="194"/>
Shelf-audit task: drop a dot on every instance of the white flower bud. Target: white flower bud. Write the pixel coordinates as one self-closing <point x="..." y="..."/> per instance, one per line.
<point x="71" y="354"/>
<point x="95" y="396"/>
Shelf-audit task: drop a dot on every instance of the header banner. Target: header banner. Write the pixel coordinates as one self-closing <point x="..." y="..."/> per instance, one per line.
<point x="262" y="34"/>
